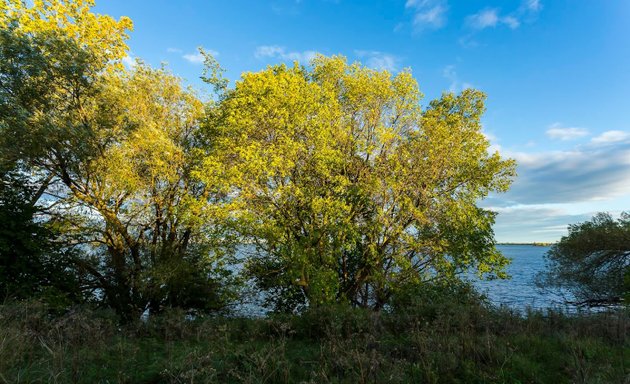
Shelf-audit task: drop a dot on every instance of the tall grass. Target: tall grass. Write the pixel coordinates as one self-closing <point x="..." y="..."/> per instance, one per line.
<point x="426" y="342"/>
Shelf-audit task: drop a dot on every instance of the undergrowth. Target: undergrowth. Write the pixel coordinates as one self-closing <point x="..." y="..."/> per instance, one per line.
<point x="429" y="342"/>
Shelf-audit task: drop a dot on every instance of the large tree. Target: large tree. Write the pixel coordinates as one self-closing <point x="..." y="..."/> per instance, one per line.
<point x="592" y="261"/>
<point x="349" y="191"/>
<point x="113" y="154"/>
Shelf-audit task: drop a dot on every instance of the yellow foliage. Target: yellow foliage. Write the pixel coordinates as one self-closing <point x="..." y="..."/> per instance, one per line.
<point x="337" y="168"/>
<point x="104" y="36"/>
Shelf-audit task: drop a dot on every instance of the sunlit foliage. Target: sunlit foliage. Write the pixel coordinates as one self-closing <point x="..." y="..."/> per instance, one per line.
<point x="348" y="189"/>
<point x="112" y="153"/>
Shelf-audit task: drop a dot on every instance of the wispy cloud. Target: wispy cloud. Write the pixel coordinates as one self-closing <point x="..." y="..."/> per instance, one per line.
<point x="510" y="21"/>
<point x="610" y="137"/>
<point x="529" y="223"/>
<point x="379" y="60"/>
<point x="532" y="6"/>
<point x="269" y="51"/>
<point x="493" y="140"/>
<point x="492" y="17"/>
<point x="173" y="50"/>
<point x="198" y="58"/>
<point x="428" y="14"/>
<point x="449" y="72"/>
<point x="279" y="52"/>
<point x="585" y="173"/>
<point x="483" y="19"/>
<point x="194" y="58"/>
<point x="558" y="132"/>
<point x="556" y="188"/>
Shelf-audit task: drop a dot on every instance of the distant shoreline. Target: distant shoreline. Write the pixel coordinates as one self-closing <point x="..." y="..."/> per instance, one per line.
<point x="536" y="244"/>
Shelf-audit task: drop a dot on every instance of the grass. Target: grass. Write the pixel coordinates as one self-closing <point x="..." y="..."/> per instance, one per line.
<point x="426" y="343"/>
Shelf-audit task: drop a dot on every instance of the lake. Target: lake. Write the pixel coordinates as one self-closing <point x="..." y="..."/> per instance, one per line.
<point x="520" y="292"/>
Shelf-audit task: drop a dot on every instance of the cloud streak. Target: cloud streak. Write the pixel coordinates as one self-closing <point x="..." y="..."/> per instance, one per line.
<point x="610" y="137"/>
<point x="197" y="58"/>
<point x="449" y="72"/>
<point x="428" y="14"/>
<point x="588" y="173"/>
<point x="534" y="223"/>
<point x="194" y="58"/>
<point x="492" y="17"/>
<point x="379" y="60"/>
<point x="557" y="132"/>
<point x="279" y="52"/>
<point x="557" y="188"/>
<point x="530" y="8"/>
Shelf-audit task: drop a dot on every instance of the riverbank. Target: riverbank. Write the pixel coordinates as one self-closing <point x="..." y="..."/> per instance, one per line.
<point x="436" y="342"/>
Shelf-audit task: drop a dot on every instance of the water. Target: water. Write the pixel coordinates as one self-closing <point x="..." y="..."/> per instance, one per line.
<point x="520" y="291"/>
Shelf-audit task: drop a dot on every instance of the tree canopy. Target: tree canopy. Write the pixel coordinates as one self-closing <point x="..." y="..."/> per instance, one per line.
<point x="348" y="189"/>
<point x="592" y="261"/>
<point x="112" y="153"/>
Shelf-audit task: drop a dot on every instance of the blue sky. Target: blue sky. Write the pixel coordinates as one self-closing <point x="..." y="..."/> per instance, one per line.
<point x="557" y="76"/>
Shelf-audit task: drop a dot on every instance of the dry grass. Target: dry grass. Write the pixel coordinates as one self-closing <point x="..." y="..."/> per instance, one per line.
<point x="425" y="344"/>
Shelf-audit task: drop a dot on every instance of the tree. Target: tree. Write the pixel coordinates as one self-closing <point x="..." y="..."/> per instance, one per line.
<point x="592" y="261"/>
<point x="114" y="154"/>
<point x="349" y="190"/>
<point x="31" y="265"/>
<point x="71" y="20"/>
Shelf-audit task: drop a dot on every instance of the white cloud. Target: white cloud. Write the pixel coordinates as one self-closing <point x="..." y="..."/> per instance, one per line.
<point x="428" y="14"/>
<point x="276" y="51"/>
<point x="173" y="50"/>
<point x="449" y="72"/>
<point x="556" y="188"/>
<point x="532" y="5"/>
<point x="557" y="131"/>
<point x="195" y="58"/>
<point x="492" y="17"/>
<point x="129" y="61"/>
<point x="611" y="137"/>
<point x="511" y="22"/>
<point x="268" y="51"/>
<point x="536" y="222"/>
<point x="198" y="58"/>
<point x="433" y="17"/>
<point x="379" y="60"/>
<point x="483" y="19"/>
<point x="493" y="140"/>
<point x="546" y="222"/>
<point x="585" y="173"/>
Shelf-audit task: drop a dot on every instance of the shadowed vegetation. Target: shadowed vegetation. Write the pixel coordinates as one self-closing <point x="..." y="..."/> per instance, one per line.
<point x="451" y="338"/>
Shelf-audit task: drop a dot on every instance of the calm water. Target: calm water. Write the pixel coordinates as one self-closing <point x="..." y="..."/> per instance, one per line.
<point x="520" y="292"/>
